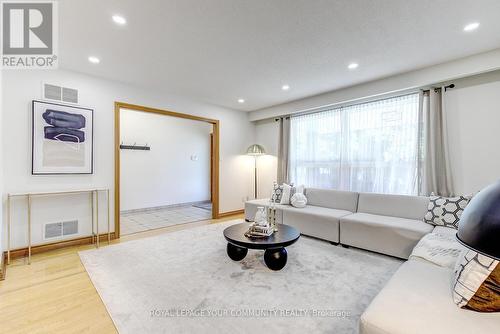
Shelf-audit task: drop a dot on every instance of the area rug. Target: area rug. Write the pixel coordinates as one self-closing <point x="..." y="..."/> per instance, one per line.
<point x="183" y="282"/>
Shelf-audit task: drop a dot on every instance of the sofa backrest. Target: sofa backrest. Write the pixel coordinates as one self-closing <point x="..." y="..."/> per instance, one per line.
<point x="410" y="207"/>
<point x="334" y="199"/>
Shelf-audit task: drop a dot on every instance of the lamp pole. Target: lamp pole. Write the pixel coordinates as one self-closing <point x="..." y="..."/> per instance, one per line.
<point x="255" y="150"/>
<point x="255" y="176"/>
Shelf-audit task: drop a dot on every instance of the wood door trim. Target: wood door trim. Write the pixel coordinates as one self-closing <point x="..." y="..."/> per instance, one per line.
<point x="214" y="177"/>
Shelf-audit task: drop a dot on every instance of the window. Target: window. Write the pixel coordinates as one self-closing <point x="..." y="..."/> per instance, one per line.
<point x="369" y="147"/>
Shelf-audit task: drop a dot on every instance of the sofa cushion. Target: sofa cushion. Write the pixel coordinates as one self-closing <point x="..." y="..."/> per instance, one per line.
<point x="417" y="300"/>
<point x="384" y="234"/>
<point x="410" y="207"/>
<point x="315" y="221"/>
<point x="333" y="199"/>
<point x="441" y="249"/>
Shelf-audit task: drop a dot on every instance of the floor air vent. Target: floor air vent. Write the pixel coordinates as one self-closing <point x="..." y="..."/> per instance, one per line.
<point x="62" y="229"/>
<point x="58" y="93"/>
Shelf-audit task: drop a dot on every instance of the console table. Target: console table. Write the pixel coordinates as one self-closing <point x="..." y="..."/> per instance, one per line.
<point x="94" y="204"/>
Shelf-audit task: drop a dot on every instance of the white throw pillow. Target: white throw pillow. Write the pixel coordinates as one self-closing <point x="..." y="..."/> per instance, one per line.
<point x="439" y="248"/>
<point x="300" y="189"/>
<point x="298" y="200"/>
<point x="285" y="194"/>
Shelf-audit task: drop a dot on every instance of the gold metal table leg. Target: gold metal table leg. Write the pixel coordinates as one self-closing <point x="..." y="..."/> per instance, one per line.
<point x="8" y="229"/>
<point x="29" y="229"/>
<point x="97" y="216"/>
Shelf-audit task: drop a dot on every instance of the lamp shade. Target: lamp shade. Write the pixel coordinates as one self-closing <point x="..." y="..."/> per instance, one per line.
<point x="256" y="149"/>
<point x="479" y="227"/>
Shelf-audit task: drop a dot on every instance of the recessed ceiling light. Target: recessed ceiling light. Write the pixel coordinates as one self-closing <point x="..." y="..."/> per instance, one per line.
<point x="352" y="66"/>
<point x="471" y="26"/>
<point x="241" y="101"/>
<point x="119" y="20"/>
<point x="285" y="87"/>
<point x="94" y="60"/>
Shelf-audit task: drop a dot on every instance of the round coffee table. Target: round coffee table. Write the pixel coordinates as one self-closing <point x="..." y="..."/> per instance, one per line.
<point x="275" y="254"/>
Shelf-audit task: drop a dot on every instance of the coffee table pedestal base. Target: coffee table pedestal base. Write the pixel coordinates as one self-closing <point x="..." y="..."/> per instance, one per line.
<point x="275" y="258"/>
<point x="236" y="253"/>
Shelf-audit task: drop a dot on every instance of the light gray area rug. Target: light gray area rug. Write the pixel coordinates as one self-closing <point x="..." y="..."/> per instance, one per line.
<point x="183" y="282"/>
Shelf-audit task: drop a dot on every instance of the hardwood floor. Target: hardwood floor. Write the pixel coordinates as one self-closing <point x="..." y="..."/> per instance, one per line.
<point x="55" y="295"/>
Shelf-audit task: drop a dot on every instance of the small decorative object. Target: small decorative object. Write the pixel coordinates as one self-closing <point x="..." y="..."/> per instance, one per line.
<point x="260" y="229"/>
<point x="477" y="273"/>
<point x="272" y="214"/>
<point x="260" y="216"/>
<point x="62" y="139"/>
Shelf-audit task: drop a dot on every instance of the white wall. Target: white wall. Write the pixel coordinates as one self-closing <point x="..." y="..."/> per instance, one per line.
<point x="267" y="132"/>
<point x="177" y="168"/>
<point x="1" y="170"/>
<point x="474" y="121"/>
<point x="20" y="87"/>
<point x="474" y="133"/>
<point x="459" y="68"/>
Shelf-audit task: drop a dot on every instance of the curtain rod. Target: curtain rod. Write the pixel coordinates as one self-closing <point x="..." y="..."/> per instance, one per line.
<point x="450" y="86"/>
<point x="340" y="105"/>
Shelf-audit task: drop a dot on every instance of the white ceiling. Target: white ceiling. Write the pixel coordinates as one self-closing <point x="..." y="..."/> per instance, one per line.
<point x="217" y="51"/>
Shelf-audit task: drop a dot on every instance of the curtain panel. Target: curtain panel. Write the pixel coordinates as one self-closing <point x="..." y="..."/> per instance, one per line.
<point x="283" y="150"/>
<point x="436" y="169"/>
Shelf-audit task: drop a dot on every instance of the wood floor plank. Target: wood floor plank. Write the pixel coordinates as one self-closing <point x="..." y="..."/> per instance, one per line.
<point x="54" y="294"/>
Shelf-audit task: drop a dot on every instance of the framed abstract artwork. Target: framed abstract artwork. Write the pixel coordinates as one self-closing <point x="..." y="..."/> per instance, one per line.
<point x="62" y="139"/>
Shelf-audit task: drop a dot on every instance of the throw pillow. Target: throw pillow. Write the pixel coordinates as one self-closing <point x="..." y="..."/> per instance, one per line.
<point x="277" y="192"/>
<point x="446" y="211"/>
<point x="439" y="248"/>
<point x="477" y="282"/>
<point x="286" y="194"/>
<point x="299" y="200"/>
<point x="282" y="193"/>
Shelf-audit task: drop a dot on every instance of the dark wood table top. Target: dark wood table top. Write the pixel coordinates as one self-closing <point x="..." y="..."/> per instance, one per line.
<point x="285" y="236"/>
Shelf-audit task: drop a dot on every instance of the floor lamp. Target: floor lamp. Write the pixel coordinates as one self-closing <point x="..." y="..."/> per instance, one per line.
<point x="255" y="150"/>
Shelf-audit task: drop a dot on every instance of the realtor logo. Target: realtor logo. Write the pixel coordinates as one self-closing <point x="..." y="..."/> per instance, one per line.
<point x="29" y="34"/>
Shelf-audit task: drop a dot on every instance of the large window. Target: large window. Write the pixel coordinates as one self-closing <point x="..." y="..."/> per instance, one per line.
<point x="369" y="147"/>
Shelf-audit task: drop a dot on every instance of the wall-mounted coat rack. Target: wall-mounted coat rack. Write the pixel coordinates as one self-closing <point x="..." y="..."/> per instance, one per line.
<point x="135" y="147"/>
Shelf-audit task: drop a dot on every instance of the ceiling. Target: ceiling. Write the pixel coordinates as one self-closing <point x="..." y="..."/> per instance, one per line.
<point x="218" y="51"/>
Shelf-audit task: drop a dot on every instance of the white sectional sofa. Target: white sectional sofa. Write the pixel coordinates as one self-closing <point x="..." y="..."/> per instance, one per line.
<point x="388" y="224"/>
<point x="417" y="299"/>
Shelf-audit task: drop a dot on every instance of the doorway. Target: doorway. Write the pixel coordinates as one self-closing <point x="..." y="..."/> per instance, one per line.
<point x="146" y="197"/>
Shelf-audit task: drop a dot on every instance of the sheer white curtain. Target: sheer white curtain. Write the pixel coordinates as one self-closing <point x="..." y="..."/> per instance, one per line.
<point x="369" y="147"/>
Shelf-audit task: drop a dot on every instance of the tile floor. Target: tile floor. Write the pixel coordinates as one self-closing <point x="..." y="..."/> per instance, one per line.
<point x="139" y="221"/>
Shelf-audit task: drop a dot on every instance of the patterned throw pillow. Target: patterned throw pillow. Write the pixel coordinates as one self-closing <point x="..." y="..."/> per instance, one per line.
<point x="282" y="193"/>
<point x="477" y="282"/>
<point x="277" y="193"/>
<point x="446" y="211"/>
<point x="442" y="249"/>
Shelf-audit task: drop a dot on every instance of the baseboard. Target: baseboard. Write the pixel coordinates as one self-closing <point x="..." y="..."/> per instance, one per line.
<point x="23" y="252"/>
<point x="161" y="207"/>
<point x="231" y="213"/>
<point x="3" y="267"/>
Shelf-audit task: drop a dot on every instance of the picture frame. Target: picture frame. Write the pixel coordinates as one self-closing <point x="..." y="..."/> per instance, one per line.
<point x="62" y="139"/>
